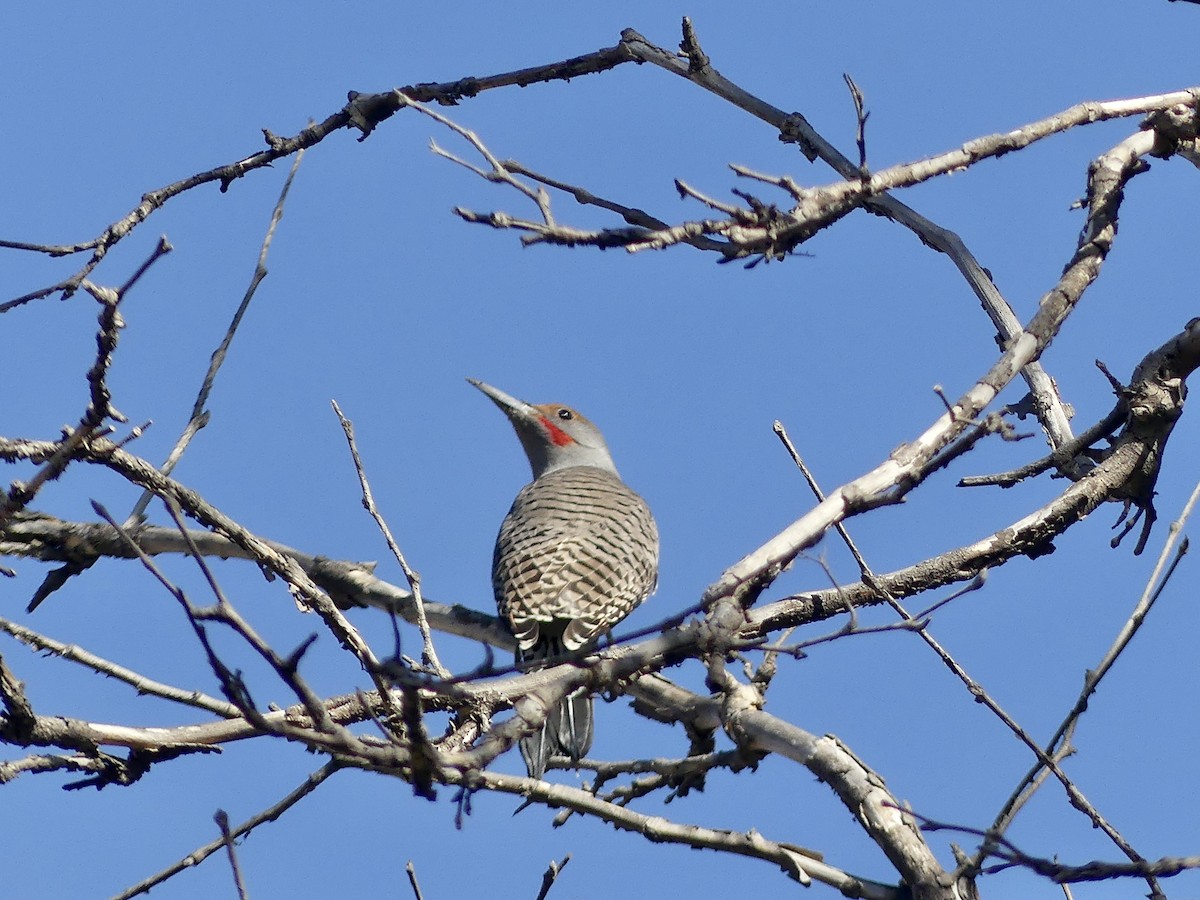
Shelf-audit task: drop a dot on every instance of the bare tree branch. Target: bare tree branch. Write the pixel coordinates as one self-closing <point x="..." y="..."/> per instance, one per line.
<point x="271" y="814"/>
<point x="486" y="710"/>
<point x="429" y="655"/>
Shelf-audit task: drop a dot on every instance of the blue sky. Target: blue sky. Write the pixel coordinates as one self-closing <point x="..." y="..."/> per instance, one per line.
<point x="382" y="299"/>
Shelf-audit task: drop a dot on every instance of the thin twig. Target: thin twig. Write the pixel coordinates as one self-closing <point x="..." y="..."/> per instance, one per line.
<point x="140" y="683"/>
<point x="230" y="681"/>
<point x="411" y="871"/>
<point x="636" y="217"/>
<point x="99" y="408"/>
<point x="1153" y="589"/>
<point x="429" y="654"/>
<point x="497" y="172"/>
<point x="551" y="875"/>
<point x="977" y="691"/>
<point x="222" y="819"/>
<point x="200" y="414"/>
<point x="1060" y="872"/>
<point x="860" y="133"/>
<point x="270" y="814"/>
<point x="796" y="862"/>
<point x="286" y="667"/>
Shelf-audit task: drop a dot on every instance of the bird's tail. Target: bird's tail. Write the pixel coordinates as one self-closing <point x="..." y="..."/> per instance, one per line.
<point x="568" y="729"/>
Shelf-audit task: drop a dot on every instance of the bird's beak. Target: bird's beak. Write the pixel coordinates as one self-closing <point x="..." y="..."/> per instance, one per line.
<point x="517" y="410"/>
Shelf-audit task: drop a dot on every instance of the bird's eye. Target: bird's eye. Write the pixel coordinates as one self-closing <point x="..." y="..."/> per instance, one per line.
<point x="565" y="414"/>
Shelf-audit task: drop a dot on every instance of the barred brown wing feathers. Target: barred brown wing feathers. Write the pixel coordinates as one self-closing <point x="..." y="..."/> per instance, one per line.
<point x="577" y="552"/>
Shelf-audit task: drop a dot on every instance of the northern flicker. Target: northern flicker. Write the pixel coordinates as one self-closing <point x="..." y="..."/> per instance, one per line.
<point x="576" y="553"/>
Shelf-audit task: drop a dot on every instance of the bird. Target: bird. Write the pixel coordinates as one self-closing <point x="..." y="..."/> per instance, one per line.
<point x="576" y="553"/>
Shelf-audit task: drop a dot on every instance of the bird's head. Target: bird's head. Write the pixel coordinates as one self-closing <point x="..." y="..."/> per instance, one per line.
<point x="554" y="436"/>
